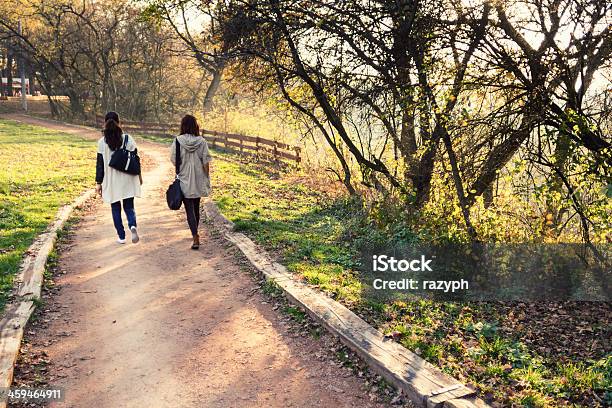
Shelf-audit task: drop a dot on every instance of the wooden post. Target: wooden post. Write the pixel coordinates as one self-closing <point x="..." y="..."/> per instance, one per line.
<point x="275" y="152"/>
<point x="298" y="159"/>
<point x="21" y="66"/>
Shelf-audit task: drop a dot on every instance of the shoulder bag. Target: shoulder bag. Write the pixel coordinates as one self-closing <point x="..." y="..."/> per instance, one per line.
<point x="174" y="194"/>
<point x="125" y="160"/>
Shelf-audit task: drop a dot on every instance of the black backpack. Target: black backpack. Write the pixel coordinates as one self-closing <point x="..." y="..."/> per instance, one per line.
<point x="174" y="194"/>
<point x="125" y="160"/>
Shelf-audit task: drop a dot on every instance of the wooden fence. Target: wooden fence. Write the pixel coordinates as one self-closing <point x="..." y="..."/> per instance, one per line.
<point x="36" y="104"/>
<point x="243" y="144"/>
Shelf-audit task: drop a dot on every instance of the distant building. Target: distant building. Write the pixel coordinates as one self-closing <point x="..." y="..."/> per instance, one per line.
<point x="17" y="85"/>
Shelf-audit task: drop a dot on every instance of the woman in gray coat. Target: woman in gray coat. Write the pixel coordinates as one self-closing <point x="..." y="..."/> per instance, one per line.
<point x="194" y="171"/>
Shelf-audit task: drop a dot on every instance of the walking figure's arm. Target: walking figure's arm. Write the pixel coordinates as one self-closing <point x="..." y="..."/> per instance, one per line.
<point x="173" y="152"/>
<point x="99" y="173"/>
<point x="206" y="159"/>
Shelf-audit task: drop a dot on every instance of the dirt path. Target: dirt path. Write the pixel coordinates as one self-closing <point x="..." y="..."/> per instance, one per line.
<point x="156" y="324"/>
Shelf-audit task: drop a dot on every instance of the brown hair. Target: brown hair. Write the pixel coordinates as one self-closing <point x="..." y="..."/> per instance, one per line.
<point x="189" y="126"/>
<point x="113" y="135"/>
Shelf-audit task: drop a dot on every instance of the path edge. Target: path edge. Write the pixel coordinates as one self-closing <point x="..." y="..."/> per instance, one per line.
<point x="414" y="378"/>
<point x="27" y="290"/>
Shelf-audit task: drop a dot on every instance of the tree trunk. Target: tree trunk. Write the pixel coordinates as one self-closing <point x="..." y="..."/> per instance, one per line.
<point x="31" y="79"/>
<point x="554" y="211"/>
<point x="465" y="208"/>
<point x="105" y="90"/>
<point x="76" y="107"/>
<point x="9" y="73"/>
<point x="46" y="88"/>
<point x="488" y="196"/>
<point x="213" y="87"/>
<point x="500" y="155"/>
<point x="423" y="170"/>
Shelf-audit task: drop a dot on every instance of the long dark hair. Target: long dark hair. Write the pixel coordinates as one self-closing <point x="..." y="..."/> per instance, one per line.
<point x="189" y="126"/>
<point x="113" y="135"/>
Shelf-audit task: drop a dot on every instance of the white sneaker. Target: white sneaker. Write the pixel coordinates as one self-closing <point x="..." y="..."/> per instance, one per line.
<point x="120" y="241"/>
<point x="135" y="237"/>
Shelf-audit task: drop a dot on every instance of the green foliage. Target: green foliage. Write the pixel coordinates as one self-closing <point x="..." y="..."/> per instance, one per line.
<point x="41" y="171"/>
<point x="295" y="313"/>
<point x="344" y="358"/>
<point x="297" y="222"/>
<point x="534" y="400"/>
<point x="486" y="329"/>
<point x="318" y="237"/>
<point x="271" y="288"/>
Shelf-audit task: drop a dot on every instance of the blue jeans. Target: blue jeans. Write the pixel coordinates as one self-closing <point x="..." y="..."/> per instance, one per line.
<point x="130" y="213"/>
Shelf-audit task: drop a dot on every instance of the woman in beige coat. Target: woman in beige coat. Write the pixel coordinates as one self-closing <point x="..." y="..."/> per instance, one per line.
<point x="193" y="173"/>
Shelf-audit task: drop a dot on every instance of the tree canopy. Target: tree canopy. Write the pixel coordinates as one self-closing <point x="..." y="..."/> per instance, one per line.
<point x="448" y="110"/>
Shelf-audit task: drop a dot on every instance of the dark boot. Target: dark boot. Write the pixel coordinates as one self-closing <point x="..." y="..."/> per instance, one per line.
<point x="196" y="242"/>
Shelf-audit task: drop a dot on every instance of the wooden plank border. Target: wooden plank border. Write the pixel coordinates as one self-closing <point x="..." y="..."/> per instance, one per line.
<point x="424" y="384"/>
<point x="29" y="281"/>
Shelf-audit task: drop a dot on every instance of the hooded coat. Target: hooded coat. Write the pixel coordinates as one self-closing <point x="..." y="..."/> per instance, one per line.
<point x="194" y="156"/>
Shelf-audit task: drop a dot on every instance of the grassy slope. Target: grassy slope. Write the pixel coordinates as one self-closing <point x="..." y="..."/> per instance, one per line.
<point x="495" y="346"/>
<point x="40" y="170"/>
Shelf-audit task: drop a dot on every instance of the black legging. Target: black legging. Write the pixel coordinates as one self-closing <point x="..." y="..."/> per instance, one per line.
<point x="192" y="209"/>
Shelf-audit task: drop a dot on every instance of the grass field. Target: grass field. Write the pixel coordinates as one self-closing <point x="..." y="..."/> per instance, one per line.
<point x="40" y="170"/>
<point x="517" y="354"/>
